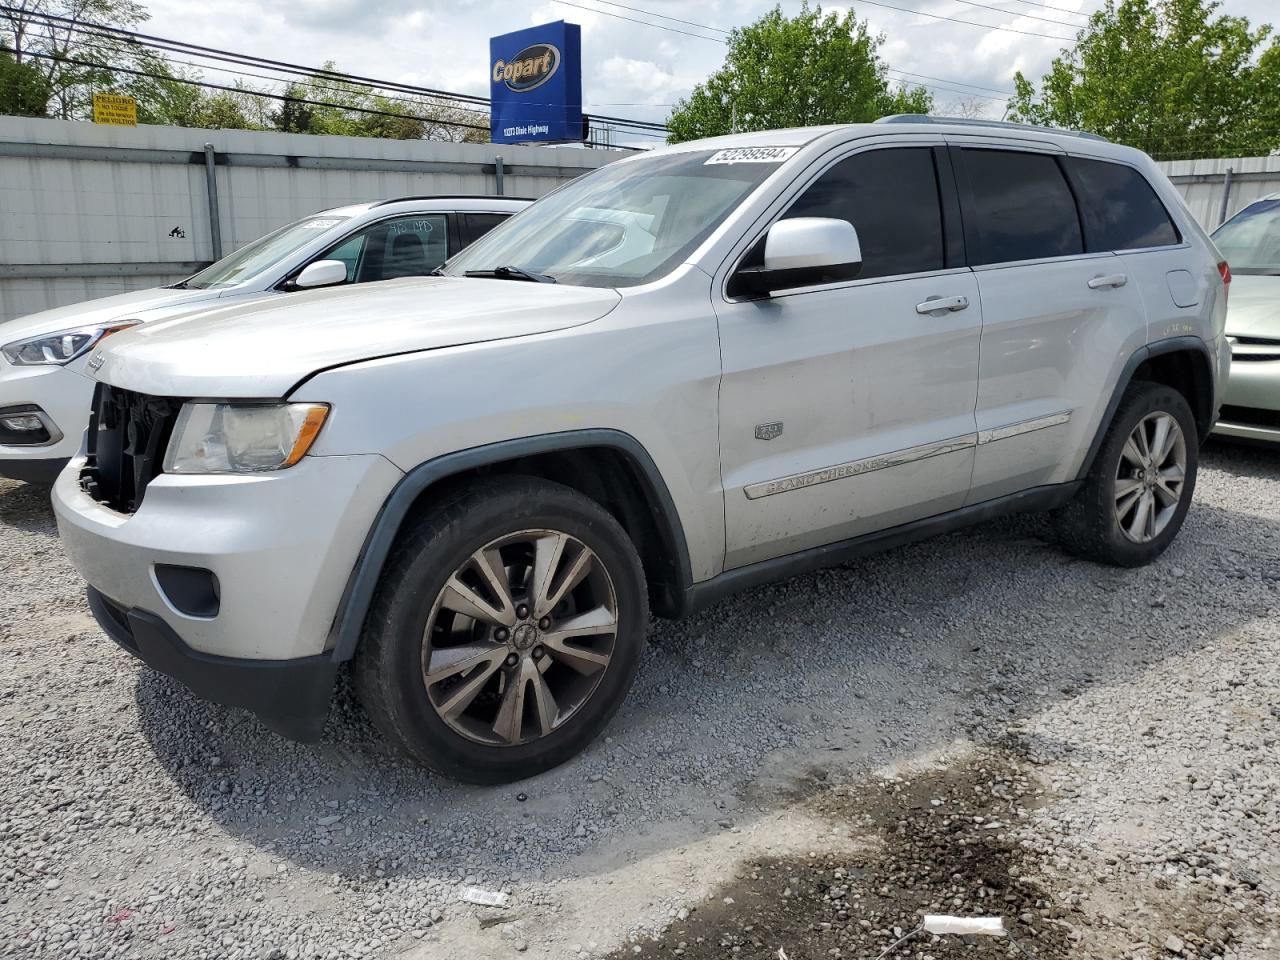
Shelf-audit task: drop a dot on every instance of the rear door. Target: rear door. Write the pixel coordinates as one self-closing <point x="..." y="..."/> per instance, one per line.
<point x="476" y="225"/>
<point x="848" y="408"/>
<point x="1121" y="213"/>
<point x="1058" y="321"/>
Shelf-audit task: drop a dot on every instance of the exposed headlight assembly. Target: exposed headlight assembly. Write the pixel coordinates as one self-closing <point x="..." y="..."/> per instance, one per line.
<point x="242" y="437"/>
<point x="60" y="348"/>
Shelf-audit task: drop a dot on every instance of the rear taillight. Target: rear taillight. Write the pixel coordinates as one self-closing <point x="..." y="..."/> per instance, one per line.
<point x="1224" y="269"/>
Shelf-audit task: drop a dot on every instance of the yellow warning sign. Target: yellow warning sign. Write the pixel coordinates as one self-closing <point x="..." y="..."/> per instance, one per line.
<point x="115" y="109"/>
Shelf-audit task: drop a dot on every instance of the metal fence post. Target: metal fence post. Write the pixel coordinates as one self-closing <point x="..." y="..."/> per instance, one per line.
<point x="211" y="181"/>
<point x="497" y="169"/>
<point x="1226" y="196"/>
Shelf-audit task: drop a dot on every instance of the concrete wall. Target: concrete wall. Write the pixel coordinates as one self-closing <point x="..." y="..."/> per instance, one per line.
<point x="1203" y="182"/>
<point x="87" y="210"/>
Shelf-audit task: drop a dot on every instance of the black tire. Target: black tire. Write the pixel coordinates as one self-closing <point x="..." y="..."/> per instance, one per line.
<point x="388" y="671"/>
<point x="1088" y="526"/>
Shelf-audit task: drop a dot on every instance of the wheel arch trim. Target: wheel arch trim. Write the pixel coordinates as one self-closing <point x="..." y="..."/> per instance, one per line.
<point x="357" y="596"/>
<point x="1184" y="344"/>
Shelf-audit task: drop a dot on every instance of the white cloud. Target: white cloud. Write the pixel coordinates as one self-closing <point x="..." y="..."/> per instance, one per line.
<point x="445" y="44"/>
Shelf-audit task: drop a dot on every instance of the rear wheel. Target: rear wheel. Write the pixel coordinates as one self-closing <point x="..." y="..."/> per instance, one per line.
<point x="1138" y="490"/>
<point x="506" y="632"/>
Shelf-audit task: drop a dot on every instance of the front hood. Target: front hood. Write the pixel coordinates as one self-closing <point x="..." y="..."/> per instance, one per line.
<point x="262" y="349"/>
<point x="122" y="306"/>
<point x="1253" y="306"/>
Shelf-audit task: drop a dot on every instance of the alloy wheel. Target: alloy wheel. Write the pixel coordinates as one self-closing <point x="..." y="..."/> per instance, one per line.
<point x="519" y="637"/>
<point x="1150" y="477"/>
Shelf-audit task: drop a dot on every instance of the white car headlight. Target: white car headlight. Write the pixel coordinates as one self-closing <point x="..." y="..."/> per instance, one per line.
<point x="242" y="437"/>
<point x="58" y="348"/>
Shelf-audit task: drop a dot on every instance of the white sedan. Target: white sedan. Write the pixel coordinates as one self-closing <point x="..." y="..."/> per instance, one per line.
<point x="44" y="392"/>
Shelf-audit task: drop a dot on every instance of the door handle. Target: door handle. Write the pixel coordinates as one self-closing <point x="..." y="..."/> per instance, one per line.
<point x="940" y="304"/>
<point x="1111" y="280"/>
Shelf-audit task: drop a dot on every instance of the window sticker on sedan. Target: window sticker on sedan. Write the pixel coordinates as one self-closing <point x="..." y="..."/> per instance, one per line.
<point x="751" y="155"/>
<point x="321" y="223"/>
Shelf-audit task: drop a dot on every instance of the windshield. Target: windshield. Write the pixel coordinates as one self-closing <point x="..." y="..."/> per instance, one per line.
<point x="1251" y="239"/>
<point x="627" y="223"/>
<point x="263" y="252"/>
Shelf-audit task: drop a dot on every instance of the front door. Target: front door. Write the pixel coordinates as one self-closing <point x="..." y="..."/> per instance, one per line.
<point x="848" y="408"/>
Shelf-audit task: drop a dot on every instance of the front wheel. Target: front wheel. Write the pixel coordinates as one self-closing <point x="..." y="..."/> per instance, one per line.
<point x="1138" y="490"/>
<point x="506" y="632"/>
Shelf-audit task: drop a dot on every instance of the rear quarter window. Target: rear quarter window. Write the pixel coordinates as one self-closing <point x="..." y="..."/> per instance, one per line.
<point x="1118" y="207"/>
<point x="1019" y="206"/>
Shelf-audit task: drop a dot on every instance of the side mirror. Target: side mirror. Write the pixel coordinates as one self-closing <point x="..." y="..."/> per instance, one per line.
<point x="321" y="273"/>
<point x="801" y="253"/>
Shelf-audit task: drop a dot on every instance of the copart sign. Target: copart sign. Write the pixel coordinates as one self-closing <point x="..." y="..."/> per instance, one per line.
<point x="536" y="84"/>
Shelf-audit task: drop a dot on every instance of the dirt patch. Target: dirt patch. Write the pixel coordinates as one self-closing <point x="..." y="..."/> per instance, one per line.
<point x="943" y="841"/>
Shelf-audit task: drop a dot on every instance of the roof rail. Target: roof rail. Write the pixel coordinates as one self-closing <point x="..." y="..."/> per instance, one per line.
<point x="452" y="196"/>
<point x="1000" y="124"/>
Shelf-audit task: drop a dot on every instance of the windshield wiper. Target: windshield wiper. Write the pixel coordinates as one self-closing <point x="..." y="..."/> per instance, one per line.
<point x="511" y="273"/>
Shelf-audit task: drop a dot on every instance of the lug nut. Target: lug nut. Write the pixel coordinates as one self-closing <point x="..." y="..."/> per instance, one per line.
<point x="537" y="653"/>
<point x="501" y="634"/>
<point x="512" y="659"/>
<point x="544" y="623"/>
<point x="522" y="611"/>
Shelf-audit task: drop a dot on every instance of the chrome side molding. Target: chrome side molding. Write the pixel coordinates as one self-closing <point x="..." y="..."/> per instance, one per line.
<point x="898" y="458"/>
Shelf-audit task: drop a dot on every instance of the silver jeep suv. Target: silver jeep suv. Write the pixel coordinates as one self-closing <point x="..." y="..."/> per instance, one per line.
<point x="691" y="371"/>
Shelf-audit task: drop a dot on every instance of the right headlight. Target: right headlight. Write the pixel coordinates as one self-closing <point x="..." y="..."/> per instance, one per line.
<point x="242" y="437"/>
<point x="59" y="348"/>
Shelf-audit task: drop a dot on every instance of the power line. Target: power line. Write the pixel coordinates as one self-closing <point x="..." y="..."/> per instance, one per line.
<point x="1005" y="95"/>
<point x="179" y="46"/>
<point x="971" y="23"/>
<point x="643" y="23"/>
<point x="661" y="16"/>
<point x="75" y="61"/>
<point x="958" y="83"/>
<point x="1014" y="13"/>
<point x="1049" y="6"/>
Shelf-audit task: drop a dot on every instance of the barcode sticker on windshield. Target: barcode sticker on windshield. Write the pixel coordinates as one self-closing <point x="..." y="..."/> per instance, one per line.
<point x="751" y="155"/>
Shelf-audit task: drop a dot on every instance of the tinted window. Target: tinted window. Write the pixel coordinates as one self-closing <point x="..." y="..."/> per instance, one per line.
<point x="1119" y="209"/>
<point x="404" y="247"/>
<point x="1020" y="207"/>
<point x="891" y="198"/>
<point x="478" y="224"/>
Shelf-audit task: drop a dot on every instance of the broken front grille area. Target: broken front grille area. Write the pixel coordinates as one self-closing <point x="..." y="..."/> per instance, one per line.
<point x="128" y="434"/>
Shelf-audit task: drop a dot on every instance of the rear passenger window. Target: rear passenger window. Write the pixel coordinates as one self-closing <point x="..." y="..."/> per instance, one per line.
<point x="478" y="224"/>
<point x="1119" y="209"/>
<point x="891" y="198"/>
<point x="1020" y="207"/>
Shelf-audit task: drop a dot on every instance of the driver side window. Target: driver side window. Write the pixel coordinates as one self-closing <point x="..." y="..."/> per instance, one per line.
<point x="403" y="247"/>
<point x="891" y="197"/>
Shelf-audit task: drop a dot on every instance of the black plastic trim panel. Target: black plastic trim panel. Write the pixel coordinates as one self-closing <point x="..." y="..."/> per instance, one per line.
<point x="358" y="595"/>
<point x="702" y="595"/>
<point x="290" y="697"/>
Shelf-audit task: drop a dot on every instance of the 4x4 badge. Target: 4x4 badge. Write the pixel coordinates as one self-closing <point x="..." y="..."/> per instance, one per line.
<point x="95" y="362"/>
<point x="767" y="431"/>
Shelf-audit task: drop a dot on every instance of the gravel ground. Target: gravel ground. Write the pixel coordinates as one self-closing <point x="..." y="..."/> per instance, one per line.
<point x="1114" y="730"/>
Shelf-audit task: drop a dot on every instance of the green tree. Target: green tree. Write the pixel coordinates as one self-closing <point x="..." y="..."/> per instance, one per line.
<point x="74" y="64"/>
<point x="23" y="90"/>
<point x="325" y="105"/>
<point x="1171" y="77"/>
<point x="781" y="71"/>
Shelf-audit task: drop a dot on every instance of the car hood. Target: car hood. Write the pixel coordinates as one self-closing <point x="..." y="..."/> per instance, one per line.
<point x="264" y="348"/>
<point x="1253" y="306"/>
<point x="138" y="305"/>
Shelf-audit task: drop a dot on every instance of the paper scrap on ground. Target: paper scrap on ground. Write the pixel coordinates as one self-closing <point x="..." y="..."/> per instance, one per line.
<point x="983" y="926"/>
<point x="484" y="898"/>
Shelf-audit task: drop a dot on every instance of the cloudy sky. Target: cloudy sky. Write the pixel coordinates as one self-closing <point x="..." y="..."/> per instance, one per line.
<point x="632" y="69"/>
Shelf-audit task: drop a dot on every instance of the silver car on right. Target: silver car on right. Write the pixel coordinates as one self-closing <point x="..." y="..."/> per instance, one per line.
<point x="1250" y="242"/>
